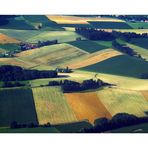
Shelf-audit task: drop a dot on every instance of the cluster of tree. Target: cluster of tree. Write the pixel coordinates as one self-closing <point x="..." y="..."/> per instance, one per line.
<point x="15" y="125"/>
<point x="64" y="70"/>
<point x="117" y="121"/>
<point x="27" y="46"/>
<point x="123" y="48"/>
<point x="72" y="86"/>
<point x="12" y="84"/>
<point x="94" y="34"/>
<point x="16" y="73"/>
<point x="128" y="35"/>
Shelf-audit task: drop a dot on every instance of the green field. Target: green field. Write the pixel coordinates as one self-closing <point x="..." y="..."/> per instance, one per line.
<point x="73" y="127"/>
<point x="120" y="65"/>
<point x="61" y="36"/>
<point x="10" y="47"/>
<point x="123" y="101"/>
<point x="110" y="25"/>
<point x="142" y="42"/>
<point x="140" y="128"/>
<point x="22" y="35"/>
<point x="87" y="45"/>
<point x="17" y="105"/>
<point x="30" y="130"/>
<point x="137" y="25"/>
<point x="51" y="106"/>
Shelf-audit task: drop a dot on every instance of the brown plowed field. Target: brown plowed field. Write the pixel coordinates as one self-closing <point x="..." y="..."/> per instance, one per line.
<point x="87" y="106"/>
<point x="6" y="39"/>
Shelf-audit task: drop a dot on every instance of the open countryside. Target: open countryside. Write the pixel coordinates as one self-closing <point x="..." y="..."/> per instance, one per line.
<point x="73" y="73"/>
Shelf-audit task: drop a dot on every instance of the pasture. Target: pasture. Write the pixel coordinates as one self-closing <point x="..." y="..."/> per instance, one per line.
<point x="87" y="45"/>
<point x="142" y="42"/>
<point x="120" y="65"/>
<point x="17" y="105"/>
<point x="52" y="106"/>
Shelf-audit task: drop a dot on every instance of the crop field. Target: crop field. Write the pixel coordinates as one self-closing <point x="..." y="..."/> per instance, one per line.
<point x="95" y="58"/>
<point x="139" y="31"/>
<point x="120" y="101"/>
<point x="51" y="106"/>
<point x="9" y="46"/>
<point x="87" y="106"/>
<point x="145" y="94"/>
<point x="113" y="66"/>
<point x="61" y="36"/>
<point x="62" y="19"/>
<point x="52" y="55"/>
<point x="88" y="46"/>
<point x="110" y="25"/>
<point x="17" y="105"/>
<point x="6" y="39"/>
<point x="142" y="42"/>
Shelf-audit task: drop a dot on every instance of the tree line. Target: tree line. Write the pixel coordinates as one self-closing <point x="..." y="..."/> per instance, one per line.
<point x="27" y="46"/>
<point x="72" y="86"/>
<point x="95" y="34"/>
<point x="16" y="73"/>
<point x="117" y="121"/>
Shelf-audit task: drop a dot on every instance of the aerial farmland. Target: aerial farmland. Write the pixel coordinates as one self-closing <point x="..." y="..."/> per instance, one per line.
<point x="73" y="73"/>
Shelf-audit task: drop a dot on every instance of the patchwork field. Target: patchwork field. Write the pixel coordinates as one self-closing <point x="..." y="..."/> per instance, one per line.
<point x="120" y="65"/>
<point x="95" y="58"/>
<point x="87" y="106"/>
<point x="52" y="106"/>
<point x="142" y="42"/>
<point x="6" y="39"/>
<point x="120" y="100"/>
<point x="63" y="19"/>
<point x="17" y="105"/>
<point x="54" y="55"/>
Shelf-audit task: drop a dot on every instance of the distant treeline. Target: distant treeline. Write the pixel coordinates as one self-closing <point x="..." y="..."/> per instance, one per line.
<point x="16" y="73"/>
<point x="118" y="121"/>
<point x="72" y="86"/>
<point x="123" y="48"/>
<point x="27" y="46"/>
<point x="144" y="75"/>
<point x="95" y="34"/>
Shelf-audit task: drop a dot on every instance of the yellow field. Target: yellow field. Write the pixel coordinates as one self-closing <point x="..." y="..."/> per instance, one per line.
<point x="53" y="55"/>
<point x="87" y="106"/>
<point x="51" y="106"/>
<point x="62" y="19"/>
<point x="6" y="39"/>
<point x="145" y="94"/>
<point x="95" y="58"/>
<point x="120" y="101"/>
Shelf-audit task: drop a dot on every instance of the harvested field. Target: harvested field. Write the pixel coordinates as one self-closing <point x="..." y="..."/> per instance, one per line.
<point x="95" y="58"/>
<point x="122" y="100"/>
<point x="54" y="55"/>
<point x="51" y="106"/>
<point x="87" y="106"/>
<point x="145" y="94"/>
